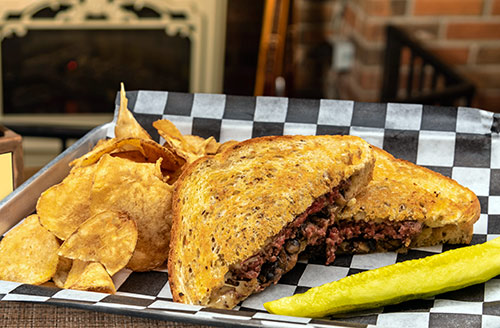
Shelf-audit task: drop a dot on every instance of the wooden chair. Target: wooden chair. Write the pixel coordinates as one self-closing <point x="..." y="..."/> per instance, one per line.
<point x="429" y="80"/>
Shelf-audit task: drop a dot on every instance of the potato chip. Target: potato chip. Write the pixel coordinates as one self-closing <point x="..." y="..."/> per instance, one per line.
<point x="107" y="147"/>
<point x="195" y="141"/>
<point x="107" y="237"/>
<point x="151" y="151"/>
<point x="188" y="147"/>
<point x="63" y="207"/>
<point x="170" y="133"/>
<point x="154" y="151"/>
<point x="28" y="253"/>
<point x="132" y="155"/>
<point x="146" y="199"/>
<point x="101" y="142"/>
<point x="90" y="276"/>
<point x="202" y="146"/>
<point x="63" y="267"/>
<point x="103" y="146"/>
<point x="174" y="140"/>
<point x="126" y="125"/>
<point x="210" y="146"/>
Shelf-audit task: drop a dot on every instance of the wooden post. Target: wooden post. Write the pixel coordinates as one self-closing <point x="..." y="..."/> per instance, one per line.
<point x="11" y="161"/>
<point x="272" y="46"/>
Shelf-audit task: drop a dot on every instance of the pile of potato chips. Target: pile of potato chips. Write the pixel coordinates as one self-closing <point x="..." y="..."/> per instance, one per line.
<point x="112" y="211"/>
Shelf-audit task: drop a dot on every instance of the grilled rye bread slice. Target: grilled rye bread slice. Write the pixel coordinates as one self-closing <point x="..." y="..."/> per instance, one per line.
<point x="242" y="216"/>
<point x="405" y="205"/>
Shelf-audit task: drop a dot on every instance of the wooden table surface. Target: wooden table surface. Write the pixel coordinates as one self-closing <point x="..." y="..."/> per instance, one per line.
<point x="36" y="315"/>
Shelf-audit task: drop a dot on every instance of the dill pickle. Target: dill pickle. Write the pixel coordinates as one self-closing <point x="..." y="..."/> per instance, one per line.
<point x="396" y="283"/>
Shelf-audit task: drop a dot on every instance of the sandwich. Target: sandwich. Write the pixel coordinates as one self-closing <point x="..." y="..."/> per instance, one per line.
<point x="404" y="205"/>
<point x="242" y="217"/>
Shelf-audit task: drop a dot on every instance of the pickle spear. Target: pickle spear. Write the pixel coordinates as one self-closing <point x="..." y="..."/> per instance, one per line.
<point x="396" y="283"/>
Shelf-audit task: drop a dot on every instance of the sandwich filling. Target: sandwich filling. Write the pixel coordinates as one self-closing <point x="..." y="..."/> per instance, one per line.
<point x="366" y="237"/>
<point x="281" y="253"/>
<point x="315" y="228"/>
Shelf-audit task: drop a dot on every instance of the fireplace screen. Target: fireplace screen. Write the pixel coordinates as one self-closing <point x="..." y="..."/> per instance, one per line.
<point x="79" y="71"/>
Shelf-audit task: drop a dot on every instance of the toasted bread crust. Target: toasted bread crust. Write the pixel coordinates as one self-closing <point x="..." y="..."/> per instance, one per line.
<point x="401" y="190"/>
<point x="226" y="207"/>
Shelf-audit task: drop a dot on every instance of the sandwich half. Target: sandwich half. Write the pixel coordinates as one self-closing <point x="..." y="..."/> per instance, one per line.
<point x="241" y="217"/>
<point x="404" y="205"/>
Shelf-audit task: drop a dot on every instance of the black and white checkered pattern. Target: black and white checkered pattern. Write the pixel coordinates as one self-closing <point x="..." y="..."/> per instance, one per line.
<point x="462" y="143"/>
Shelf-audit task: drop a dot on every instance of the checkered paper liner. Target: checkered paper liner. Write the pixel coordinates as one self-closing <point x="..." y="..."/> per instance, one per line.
<point x="462" y="143"/>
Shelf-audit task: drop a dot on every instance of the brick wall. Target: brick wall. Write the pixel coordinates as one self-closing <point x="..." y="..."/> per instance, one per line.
<point x="464" y="33"/>
<point x="309" y="45"/>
